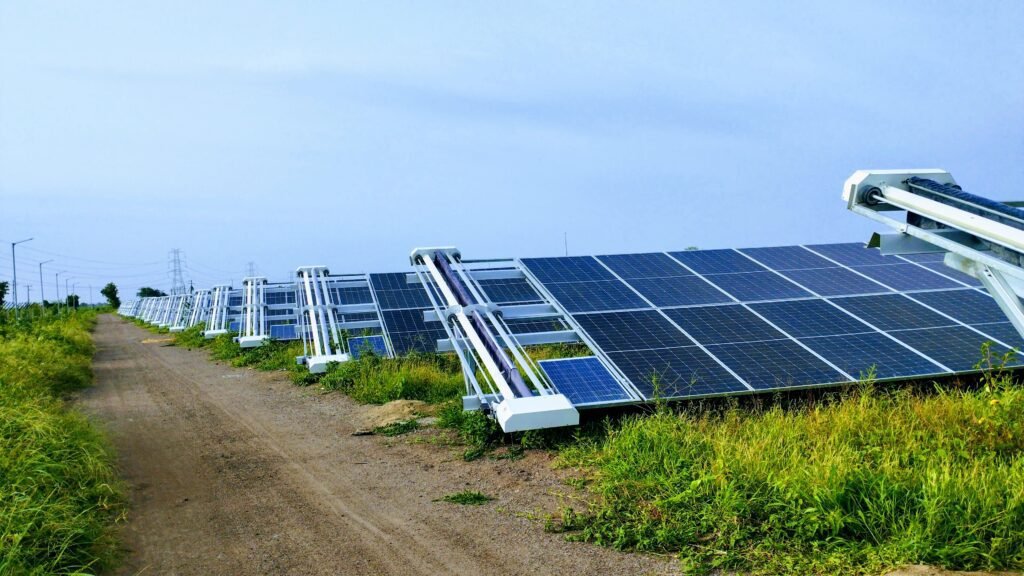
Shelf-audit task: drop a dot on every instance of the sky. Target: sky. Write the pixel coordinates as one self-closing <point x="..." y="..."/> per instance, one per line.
<point x="349" y="133"/>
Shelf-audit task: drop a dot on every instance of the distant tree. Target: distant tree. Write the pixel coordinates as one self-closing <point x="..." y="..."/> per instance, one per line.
<point x="71" y="301"/>
<point x="147" y="292"/>
<point x="3" y="292"/>
<point x="110" y="292"/>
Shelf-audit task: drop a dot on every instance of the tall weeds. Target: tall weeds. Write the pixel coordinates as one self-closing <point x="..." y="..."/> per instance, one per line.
<point x="59" y="495"/>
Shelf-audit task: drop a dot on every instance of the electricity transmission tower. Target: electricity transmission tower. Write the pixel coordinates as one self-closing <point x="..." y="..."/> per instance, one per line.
<point x="174" y="264"/>
<point x="252" y="269"/>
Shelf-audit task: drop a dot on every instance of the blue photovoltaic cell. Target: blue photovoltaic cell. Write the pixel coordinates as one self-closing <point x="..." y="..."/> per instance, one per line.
<point x="941" y="268"/>
<point x="358" y="345"/>
<point x="394" y="292"/>
<point x="651" y="265"/>
<point x="857" y="353"/>
<point x="679" y="291"/>
<point x="834" y="282"/>
<point x="283" y="332"/>
<point x="357" y="317"/>
<point x="753" y="286"/>
<point x="787" y="257"/>
<point x="955" y="346"/>
<point x="583" y="380"/>
<point x="723" y="324"/>
<point x="805" y="318"/>
<point x="892" y="312"/>
<point x="775" y="364"/>
<point x="631" y="330"/>
<point x="1004" y="332"/>
<point x="906" y="276"/>
<point x="409" y="332"/>
<point x="852" y="254"/>
<point x="509" y="291"/>
<point x="717" y="261"/>
<point x="595" y="296"/>
<point x="567" y="269"/>
<point x="234" y="326"/>
<point x="968" y="306"/>
<point x="353" y="295"/>
<point x="679" y="372"/>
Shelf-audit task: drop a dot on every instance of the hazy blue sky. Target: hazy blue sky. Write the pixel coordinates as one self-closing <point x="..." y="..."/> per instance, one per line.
<point x="293" y="133"/>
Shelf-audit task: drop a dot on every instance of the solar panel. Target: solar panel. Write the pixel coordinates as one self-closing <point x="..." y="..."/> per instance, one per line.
<point x="509" y="291"/>
<point x="892" y="312"/>
<point x="360" y="345"/>
<point x="723" y="324"/>
<point x="775" y="364"/>
<point x="955" y="346"/>
<point x="754" y="286"/>
<point x="807" y="318"/>
<point x="394" y="292"/>
<point x="787" y="258"/>
<point x="906" y="276"/>
<point x="716" y="261"/>
<point x="675" y="372"/>
<point x="531" y="325"/>
<point x="632" y="330"/>
<point x="855" y="354"/>
<point x="283" y="332"/>
<point x="651" y="265"/>
<point x="595" y="296"/>
<point x="1002" y="331"/>
<point x="678" y="291"/>
<point x="851" y="254"/>
<point x="567" y="269"/>
<point x="941" y="268"/>
<point x="968" y="306"/>
<point x="353" y="295"/>
<point x="410" y="333"/>
<point x="584" y="381"/>
<point x="834" y="282"/>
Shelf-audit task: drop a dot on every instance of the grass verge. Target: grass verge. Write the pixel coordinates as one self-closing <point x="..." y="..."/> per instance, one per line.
<point x="859" y="482"/>
<point x="59" y="494"/>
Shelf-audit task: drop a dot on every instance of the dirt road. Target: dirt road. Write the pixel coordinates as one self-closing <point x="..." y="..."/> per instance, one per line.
<point x="233" y="471"/>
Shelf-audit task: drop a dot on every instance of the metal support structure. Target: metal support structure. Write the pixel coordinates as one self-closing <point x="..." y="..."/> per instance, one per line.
<point x="515" y="404"/>
<point x="253" y="332"/>
<point x="217" y="322"/>
<point x="199" y="310"/>
<point x="320" y="335"/>
<point x="981" y="237"/>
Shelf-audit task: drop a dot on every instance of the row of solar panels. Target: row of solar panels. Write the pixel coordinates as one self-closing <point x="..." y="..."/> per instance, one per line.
<point x="711" y="322"/>
<point x="716" y="322"/>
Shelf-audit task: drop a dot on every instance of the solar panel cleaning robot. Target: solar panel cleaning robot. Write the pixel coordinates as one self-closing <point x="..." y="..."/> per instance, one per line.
<point x="979" y="237"/>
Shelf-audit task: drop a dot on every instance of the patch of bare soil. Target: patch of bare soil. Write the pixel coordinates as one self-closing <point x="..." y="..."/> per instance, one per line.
<point x="395" y="411"/>
<point x="234" y="471"/>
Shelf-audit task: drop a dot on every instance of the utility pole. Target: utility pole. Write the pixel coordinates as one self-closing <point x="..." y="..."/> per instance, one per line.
<point x="42" y="297"/>
<point x="565" y="239"/>
<point x="56" y="286"/>
<point x="14" y="270"/>
<point x="29" y="288"/>
<point x="90" y="294"/>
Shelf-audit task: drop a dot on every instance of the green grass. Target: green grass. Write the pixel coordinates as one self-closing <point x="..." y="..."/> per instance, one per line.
<point x="59" y="494"/>
<point x="467" y="498"/>
<point x="854" y="483"/>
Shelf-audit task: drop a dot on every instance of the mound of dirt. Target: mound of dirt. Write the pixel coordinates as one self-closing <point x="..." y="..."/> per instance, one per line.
<point x="157" y="340"/>
<point x="395" y="411"/>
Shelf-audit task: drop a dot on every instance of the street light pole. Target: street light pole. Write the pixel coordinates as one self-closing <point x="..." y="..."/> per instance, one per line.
<point x="42" y="296"/>
<point x="14" y="269"/>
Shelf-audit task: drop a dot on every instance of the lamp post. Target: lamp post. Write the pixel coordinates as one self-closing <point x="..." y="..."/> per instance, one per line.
<point x="42" y="297"/>
<point x="14" y="270"/>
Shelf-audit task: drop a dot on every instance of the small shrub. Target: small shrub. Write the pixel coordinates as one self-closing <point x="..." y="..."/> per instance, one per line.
<point x="467" y="498"/>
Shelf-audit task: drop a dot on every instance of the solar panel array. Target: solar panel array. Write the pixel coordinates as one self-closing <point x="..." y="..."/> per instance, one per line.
<point x="715" y="322"/>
